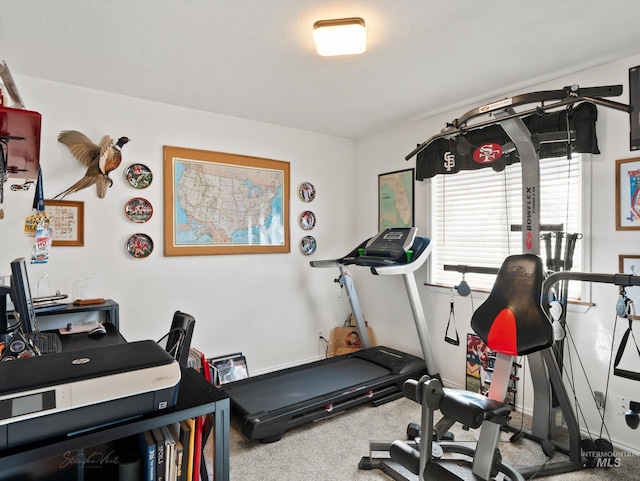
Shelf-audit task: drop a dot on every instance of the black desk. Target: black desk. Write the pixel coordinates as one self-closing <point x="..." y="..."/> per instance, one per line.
<point x="42" y="460"/>
<point x="109" y="307"/>
<point x="196" y="397"/>
<point x="81" y="340"/>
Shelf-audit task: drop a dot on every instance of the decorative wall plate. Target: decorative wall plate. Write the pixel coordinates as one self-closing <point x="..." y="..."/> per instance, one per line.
<point x="307" y="220"/>
<point x="306" y="192"/>
<point x="138" y="210"/>
<point x="139" y="246"/>
<point x="308" y="245"/>
<point x="139" y="176"/>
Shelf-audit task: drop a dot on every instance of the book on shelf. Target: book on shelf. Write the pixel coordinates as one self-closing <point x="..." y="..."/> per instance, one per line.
<point x="181" y="472"/>
<point x="197" y="448"/>
<point x="148" y="456"/>
<point x="160" y="454"/>
<point x="198" y="361"/>
<point x="172" y="452"/>
<point x="169" y="454"/>
<point x="187" y="428"/>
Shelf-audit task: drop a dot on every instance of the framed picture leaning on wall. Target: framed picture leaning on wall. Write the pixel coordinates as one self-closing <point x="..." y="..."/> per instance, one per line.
<point x="628" y="194"/>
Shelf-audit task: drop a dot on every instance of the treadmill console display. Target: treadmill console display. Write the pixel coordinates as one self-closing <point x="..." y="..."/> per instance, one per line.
<point x="391" y="243"/>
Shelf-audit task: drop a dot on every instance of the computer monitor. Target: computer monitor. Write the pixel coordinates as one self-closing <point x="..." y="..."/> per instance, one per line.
<point x="21" y="296"/>
<point x="5" y="328"/>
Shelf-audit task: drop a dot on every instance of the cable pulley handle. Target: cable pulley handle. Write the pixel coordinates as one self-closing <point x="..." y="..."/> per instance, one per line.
<point x="546" y="237"/>
<point x="452" y="315"/>
<point x="557" y="260"/>
<point x="570" y="249"/>
<point x="621" y="349"/>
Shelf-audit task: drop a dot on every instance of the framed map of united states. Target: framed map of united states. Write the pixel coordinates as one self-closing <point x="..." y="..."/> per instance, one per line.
<point x="220" y="203"/>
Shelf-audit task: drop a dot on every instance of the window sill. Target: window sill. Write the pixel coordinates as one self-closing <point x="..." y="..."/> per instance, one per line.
<point x="577" y="306"/>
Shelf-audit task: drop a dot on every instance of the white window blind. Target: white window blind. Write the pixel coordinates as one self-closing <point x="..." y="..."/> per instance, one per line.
<point x="472" y="212"/>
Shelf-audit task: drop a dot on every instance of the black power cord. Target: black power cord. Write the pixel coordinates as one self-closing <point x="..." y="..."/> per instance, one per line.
<point x="326" y="345"/>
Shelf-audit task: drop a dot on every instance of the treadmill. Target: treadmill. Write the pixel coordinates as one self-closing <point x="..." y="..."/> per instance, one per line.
<point x="269" y="404"/>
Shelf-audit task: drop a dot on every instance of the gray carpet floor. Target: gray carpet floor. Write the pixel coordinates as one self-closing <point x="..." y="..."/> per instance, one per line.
<point x="330" y="449"/>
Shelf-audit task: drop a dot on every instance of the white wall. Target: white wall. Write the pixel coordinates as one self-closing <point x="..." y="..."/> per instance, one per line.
<point x="385" y="300"/>
<point x="270" y="306"/>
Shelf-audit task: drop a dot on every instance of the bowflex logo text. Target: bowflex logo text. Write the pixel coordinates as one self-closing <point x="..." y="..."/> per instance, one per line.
<point x="531" y="206"/>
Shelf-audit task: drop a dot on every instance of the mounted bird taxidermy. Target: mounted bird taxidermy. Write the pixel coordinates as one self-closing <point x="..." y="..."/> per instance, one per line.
<point x="99" y="159"/>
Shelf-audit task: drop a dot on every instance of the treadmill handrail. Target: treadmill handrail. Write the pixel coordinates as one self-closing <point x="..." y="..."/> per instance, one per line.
<point x="325" y="263"/>
<point x="409" y="267"/>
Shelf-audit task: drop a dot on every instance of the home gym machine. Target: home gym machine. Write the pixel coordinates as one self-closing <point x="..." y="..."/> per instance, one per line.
<point x="518" y="136"/>
<point x="272" y="403"/>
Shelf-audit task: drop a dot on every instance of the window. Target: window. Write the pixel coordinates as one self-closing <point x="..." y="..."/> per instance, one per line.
<point x="472" y="211"/>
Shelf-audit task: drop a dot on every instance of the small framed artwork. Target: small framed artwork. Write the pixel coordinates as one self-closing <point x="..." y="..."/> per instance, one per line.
<point x="67" y="222"/>
<point x="628" y="194"/>
<point x="630" y="264"/>
<point x="395" y="199"/>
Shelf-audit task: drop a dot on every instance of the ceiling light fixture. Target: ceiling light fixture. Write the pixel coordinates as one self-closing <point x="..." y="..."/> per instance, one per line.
<point x="343" y="36"/>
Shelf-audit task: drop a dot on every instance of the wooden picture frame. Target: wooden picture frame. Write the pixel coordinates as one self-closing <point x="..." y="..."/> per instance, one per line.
<point x="66" y="222"/>
<point x="630" y="264"/>
<point x="628" y="194"/>
<point x="396" y="205"/>
<point x="219" y="203"/>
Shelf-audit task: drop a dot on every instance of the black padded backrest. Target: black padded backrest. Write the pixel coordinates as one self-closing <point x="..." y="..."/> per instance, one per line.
<point x="179" y="338"/>
<point x="511" y="320"/>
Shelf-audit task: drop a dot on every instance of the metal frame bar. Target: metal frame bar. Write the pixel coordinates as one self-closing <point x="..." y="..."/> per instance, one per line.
<point x="459" y="126"/>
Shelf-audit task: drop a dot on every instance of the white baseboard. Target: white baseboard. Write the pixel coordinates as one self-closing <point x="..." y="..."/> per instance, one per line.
<point x="284" y="366"/>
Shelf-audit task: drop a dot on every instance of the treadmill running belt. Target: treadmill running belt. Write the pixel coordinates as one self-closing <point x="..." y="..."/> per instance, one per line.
<point x="299" y="386"/>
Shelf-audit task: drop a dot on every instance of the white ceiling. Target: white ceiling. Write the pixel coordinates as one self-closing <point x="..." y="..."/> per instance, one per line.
<point x="255" y="59"/>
